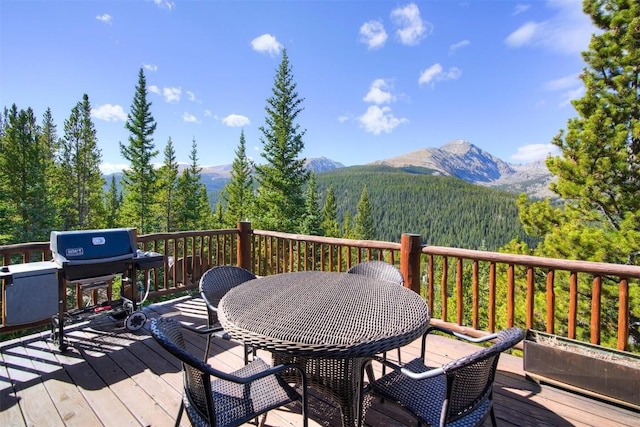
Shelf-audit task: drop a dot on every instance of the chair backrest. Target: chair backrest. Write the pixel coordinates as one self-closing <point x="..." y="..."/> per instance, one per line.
<point x="378" y="269"/>
<point x="168" y="333"/>
<point x="219" y="280"/>
<point x="470" y="378"/>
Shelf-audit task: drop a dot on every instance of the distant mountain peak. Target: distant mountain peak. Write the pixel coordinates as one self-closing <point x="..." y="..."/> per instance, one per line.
<point x="321" y="164"/>
<point x="458" y="146"/>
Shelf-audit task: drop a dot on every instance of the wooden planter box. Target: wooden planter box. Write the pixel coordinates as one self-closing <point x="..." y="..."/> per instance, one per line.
<point x="583" y="367"/>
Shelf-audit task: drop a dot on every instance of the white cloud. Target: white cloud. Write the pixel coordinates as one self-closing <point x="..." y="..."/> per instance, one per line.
<point x="154" y="89"/>
<point x="380" y="119"/>
<point x="266" y="43"/>
<point x="165" y="4"/>
<point x="534" y="152"/>
<point x="191" y="96"/>
<point x="521" y="8"/>
<point x="457" y="46"/>
<point x="208" y="113"/>
<point x="236" y="121"/>
<point x="436" y="73"/>
<point x="372" y="33"/>
<point x="570" y="95"/>
<point x="109" y="113"/>
<point x="379" y="93"/>
<point x="189" y="118"/>
<point x="109" y="168"/>
<point x="412" y="27"/>
<point x="524" y="35"/>
<point x="568" y="31"/>
<point x="150" y="67"/>
<point x="571" y="86"/>
<point x="105" y="17"/>
<point x="344" y="118"/>
<point x="172" y="94"/>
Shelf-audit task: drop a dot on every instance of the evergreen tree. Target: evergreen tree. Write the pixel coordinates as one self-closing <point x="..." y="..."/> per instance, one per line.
<point x="50" y="143"/>
<point x="312" y="221"/>
<point x="364" y="227"/>
<point x="597" y="170"/>
<point x="192" y="212"/>
<point x="22" y="178"/>
<point x="280" y="199"/>
<point x="113" y="200"/>
<point x="81" y="195"/>
<point x="167" y="188"/>
<point x="238" y="193"/>
<point x="347" y="232"/>
<point x="139" y="181"/>
<point x="330" y="215"/>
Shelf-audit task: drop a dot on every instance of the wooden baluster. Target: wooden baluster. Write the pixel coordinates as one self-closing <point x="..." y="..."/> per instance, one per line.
<point x="623" y="314"/>
<point x="530" y="298"/>
<point x="551" y="303"/>
<point x="492" y="297"/>
<point x="459" y="292"/>
<point x="475" y="298"/>
<point x="573" y="304"/>
<point x="595" y="310"/>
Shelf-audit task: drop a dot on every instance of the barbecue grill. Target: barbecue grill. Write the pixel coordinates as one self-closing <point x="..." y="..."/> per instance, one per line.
<point x="91" y="259"/>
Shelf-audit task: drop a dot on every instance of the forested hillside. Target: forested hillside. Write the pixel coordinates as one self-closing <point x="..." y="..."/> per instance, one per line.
<point x="445" y="211"/>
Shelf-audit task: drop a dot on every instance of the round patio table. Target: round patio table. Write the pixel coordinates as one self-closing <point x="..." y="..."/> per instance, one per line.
<point x="330" y="323"/>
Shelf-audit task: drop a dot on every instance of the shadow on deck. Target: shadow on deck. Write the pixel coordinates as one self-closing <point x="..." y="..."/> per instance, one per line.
<point x="113" y="377"/>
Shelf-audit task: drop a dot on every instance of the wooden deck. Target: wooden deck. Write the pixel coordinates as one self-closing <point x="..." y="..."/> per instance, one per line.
<point x="113" y="377"/>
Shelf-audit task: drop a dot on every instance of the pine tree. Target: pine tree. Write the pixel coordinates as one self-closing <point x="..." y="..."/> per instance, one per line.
<point x="22" y="178"/>
<point x="139" y="182"/>
<point x="312" y="220"/>
<point x="597" y="170"/>
<point x="364" y="225"/>
<point x="238" y="193"/>
<point x="280" y="199"/>
<point x="330" y="215"/>
<point x="81" y="195"/>
<point x="167" y="188"/>
<point x="192" y="212"/>
<point x="50" y="143"/>
<point x="113" y="199"/>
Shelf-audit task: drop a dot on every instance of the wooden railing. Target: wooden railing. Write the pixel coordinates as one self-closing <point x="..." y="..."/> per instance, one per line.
<point x="473" y="291"/>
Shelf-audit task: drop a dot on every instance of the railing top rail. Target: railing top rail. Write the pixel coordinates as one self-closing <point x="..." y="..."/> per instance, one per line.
<point x="374" y="244"/>
<point x="596" y="268"/>
<point x="182" y="234"/>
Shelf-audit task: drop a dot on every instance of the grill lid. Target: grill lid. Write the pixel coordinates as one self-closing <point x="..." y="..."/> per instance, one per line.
<point x="92" y="246"/>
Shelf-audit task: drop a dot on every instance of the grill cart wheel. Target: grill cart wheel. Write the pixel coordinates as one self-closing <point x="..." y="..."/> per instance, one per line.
<point x="135" y="321"/>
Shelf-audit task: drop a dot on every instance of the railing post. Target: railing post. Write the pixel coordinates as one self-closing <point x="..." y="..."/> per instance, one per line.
<point x="410" y="249"/>
<point x="244" y="245"/>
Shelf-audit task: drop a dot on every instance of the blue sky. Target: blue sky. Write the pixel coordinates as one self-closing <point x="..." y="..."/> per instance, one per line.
<point x="379" y="78"/>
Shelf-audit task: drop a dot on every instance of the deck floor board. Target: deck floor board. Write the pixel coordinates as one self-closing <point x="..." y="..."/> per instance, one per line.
<point x="113" y="377"/>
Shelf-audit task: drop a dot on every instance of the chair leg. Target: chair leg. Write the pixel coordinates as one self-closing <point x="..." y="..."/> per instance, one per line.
<point x="494" y="422"/>
<point x="206" y="350"/>
<point x="179" y="417"/>
<point x="370" y="373"/>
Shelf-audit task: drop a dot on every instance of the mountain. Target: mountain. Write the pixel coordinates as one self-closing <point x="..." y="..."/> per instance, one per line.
<point x="458" y="158"/>
<point x="322" y="164"/>
<point x="464" y="160"/>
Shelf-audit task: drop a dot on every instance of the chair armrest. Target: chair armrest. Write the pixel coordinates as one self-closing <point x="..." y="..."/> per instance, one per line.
<point x="461" y="336"/>
<point x="409" y="373"/>
<point x="244" y="380"/>
<point x="200" y="330"/>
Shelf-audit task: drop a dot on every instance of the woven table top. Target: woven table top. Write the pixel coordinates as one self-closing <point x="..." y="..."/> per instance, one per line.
<point x="322" y="314"/>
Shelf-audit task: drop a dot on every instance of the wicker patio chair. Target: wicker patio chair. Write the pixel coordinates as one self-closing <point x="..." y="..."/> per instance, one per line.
<point x="459" y="393"/>
<point x="215" y="398"/>
<point x="384" y="271"/>
<point x="214" y="284"/>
